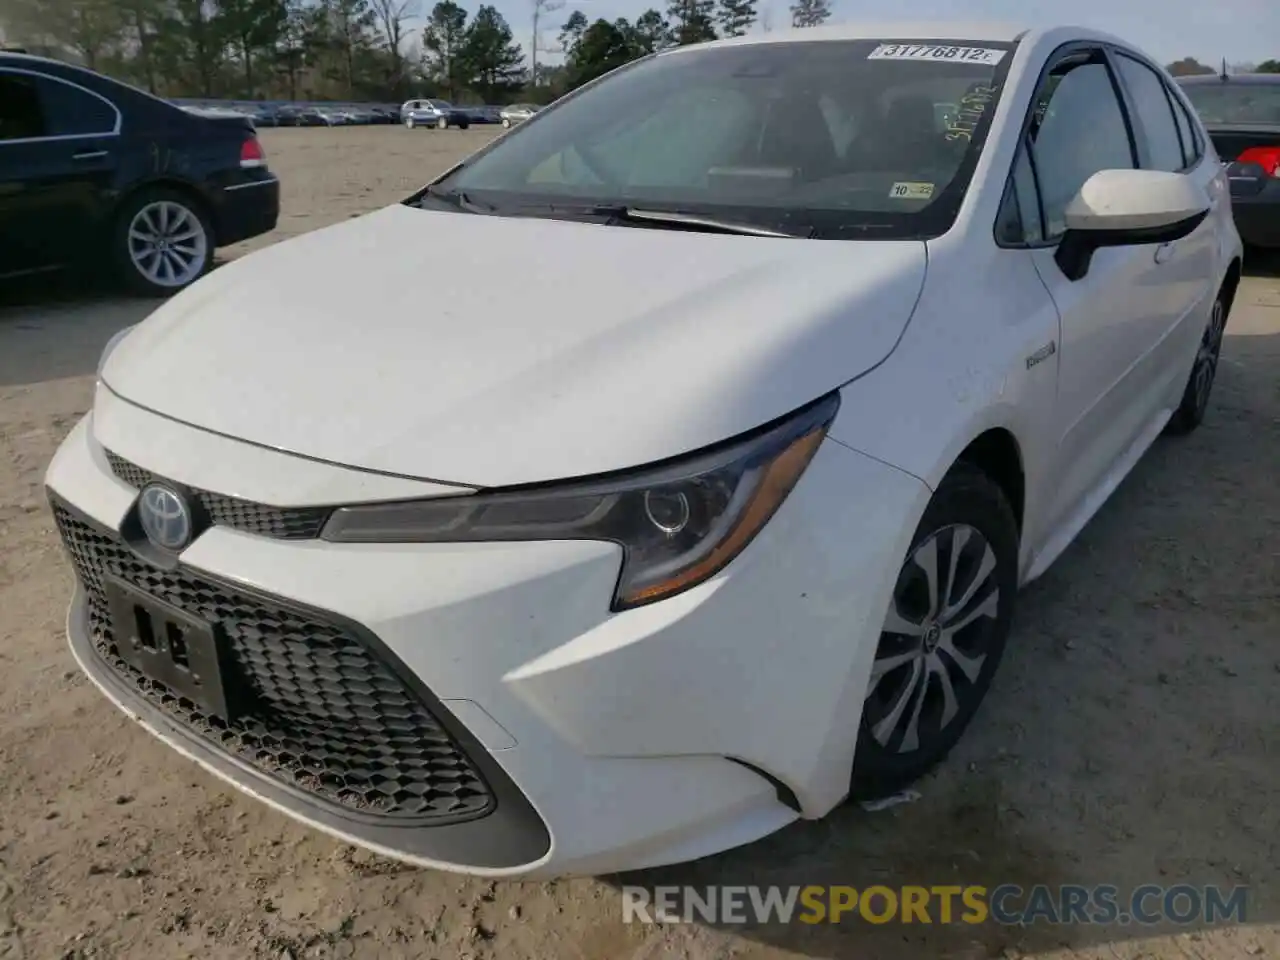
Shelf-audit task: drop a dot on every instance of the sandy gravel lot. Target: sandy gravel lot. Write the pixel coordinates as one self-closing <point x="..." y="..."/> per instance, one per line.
<point x="1133" y="735"/>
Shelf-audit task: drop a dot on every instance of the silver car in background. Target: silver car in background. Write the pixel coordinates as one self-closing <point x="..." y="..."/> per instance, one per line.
<point x="517" y="113"/>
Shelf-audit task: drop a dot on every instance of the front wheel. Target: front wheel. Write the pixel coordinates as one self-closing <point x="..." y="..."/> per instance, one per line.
<point x="1195" y="398"/>
<point x="408" y="123"/>
<point x="162" y="242"/>
<point x="442" y="123"/>
<point x="943" y="635"/>
<point x="506" y="122"/>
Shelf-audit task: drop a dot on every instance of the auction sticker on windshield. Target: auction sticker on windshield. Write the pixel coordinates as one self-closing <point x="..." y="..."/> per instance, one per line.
<point x="981" y="56"/>
<point x="911" y="191"/>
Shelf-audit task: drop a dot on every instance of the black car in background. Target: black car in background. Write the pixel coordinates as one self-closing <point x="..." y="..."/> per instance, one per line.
<point x="1242" y="115"/>
<point x="95" y="174"/>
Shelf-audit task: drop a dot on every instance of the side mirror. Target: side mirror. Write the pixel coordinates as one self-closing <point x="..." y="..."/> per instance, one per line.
<point x="1117" y="208"/>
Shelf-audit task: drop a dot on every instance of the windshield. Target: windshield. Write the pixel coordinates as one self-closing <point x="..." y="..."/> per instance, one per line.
<point x="832" y="138"/>
<point x="1228" y="103"/>
<point x="439" y="104"/>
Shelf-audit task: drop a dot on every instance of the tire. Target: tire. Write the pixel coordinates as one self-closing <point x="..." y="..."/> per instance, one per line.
<point x="409" y="123"/>
<point x="175" y="227"/>
<point x="506" y="122"/>
<point x="905" y="730"/>
<point x="1195" y="397"/>
<point x="442" y="123"/>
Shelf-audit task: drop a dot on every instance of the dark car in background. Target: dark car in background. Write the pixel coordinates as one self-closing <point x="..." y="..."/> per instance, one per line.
<point x="80" y="186"/>
<point x="1242" y="116"/>
<point x="439" y="114"/>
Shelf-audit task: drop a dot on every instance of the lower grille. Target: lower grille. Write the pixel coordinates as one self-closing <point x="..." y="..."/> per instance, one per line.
<point x="324" y="712"/>
<point x="283" y="523"/>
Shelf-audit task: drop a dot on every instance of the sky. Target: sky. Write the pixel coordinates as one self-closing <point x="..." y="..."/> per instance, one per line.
<point x="1242" y="31"/>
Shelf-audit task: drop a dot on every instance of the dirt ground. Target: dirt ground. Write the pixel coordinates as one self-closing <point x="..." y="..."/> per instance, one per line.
<point x="1132" y="737"/>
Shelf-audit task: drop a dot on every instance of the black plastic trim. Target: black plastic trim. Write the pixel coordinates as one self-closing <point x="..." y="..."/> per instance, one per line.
<point x="513" y="835"/>
<point x="1076" y="249"/>
<point x="786" y="796"/>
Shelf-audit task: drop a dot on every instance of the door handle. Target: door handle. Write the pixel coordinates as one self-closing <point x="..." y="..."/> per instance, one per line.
<point x="1164" y="252"/>
<point x="89" y="155"/>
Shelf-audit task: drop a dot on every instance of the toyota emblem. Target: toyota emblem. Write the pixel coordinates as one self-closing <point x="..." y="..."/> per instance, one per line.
<point x="165" y="517"/>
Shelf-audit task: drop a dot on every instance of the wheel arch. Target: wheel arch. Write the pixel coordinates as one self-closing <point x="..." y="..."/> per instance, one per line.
<point x="997" y="453"/>
<point x="178" y="185"/>
<point x="1231" y="283"/>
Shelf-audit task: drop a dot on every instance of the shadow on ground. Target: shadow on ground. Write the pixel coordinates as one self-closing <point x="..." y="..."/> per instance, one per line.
<point x="57" y="328"/>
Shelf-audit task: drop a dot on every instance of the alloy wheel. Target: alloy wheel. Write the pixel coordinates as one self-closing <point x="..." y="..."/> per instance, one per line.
<point x="936" y="637"/>
<point x="168" y="244"/>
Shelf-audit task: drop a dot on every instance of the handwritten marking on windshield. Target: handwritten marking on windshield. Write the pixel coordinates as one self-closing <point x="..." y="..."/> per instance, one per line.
<point x="973" y="105"/>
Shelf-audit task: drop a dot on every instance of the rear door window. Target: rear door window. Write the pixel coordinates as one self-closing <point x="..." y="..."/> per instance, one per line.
<point x="22" y="116"/>
<point x="1156" y="125"/>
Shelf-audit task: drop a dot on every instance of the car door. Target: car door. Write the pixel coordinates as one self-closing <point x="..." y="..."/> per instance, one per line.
<point x="1078" y="126"/>
<point x="58" y="176"/>
<point x="1188" y="268"/>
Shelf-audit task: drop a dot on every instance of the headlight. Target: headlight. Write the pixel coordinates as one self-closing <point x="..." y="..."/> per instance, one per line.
<point x="114" y="342"/>
<point x="678" y="523"/>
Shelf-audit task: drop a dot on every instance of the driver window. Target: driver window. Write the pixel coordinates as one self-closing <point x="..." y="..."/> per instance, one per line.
<point x="1078" y="129"/>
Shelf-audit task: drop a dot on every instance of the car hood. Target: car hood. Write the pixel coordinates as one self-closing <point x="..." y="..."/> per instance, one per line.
<point x="490" y="351"/>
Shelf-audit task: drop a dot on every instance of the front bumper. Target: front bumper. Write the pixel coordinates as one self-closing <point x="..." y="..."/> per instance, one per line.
<point x="610" y="741"/>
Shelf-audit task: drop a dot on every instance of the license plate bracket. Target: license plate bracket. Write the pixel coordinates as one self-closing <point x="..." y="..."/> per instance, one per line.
<point x="187" y="654"/>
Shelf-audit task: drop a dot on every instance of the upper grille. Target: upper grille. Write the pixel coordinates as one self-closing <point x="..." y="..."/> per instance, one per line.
<point x="283" y="523"/>
<point x="324" y="712"/>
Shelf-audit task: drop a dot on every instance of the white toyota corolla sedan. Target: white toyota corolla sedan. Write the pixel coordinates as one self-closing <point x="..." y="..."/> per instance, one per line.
<point x="810" y="349"/>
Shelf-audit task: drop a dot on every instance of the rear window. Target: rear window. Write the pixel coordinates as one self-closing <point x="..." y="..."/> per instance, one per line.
<point x="856" y="138"/>
<point x="1232" y="103"/>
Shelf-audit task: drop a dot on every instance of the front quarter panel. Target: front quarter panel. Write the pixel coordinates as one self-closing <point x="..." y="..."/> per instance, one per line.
<point x="768" y="661"/>
<point x="980" y="353"/>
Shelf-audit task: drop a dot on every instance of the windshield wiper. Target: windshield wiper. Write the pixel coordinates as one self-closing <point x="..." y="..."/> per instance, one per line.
<point x="457" y="198"/>
<point x="693" y="221"/>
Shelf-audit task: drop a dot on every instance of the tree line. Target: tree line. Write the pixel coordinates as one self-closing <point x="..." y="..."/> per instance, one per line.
<point x="356" y="49"/>
<point x="1191" y="67"/>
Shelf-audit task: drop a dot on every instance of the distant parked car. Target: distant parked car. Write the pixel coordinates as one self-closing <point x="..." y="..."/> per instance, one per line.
<point x="313" y="117"/>
<point x="517" y="113"/>
<point x="1242" y="116"/>
<point x="483" y="114"/>
<point x="79" y="184"/>
<point x="433" y="113"/>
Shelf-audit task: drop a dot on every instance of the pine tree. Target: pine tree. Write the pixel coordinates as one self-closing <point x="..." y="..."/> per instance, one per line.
<point x="736" y="16"/>
<point x="691" y="21"/>
<point x="810" y="13"/>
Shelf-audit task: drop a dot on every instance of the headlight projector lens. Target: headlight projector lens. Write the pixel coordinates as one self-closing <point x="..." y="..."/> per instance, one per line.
<point x="669" y="512"/>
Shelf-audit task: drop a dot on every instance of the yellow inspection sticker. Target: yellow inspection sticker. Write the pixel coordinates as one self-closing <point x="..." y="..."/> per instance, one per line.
<point x="911" y="191"/>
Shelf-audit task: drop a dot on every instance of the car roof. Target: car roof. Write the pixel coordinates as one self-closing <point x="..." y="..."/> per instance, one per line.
<point x="1244" y="79"/>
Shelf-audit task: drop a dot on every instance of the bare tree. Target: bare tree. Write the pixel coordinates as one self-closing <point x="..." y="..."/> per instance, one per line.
<point x="539" y="8"/>
<point x="391" y="16"/>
